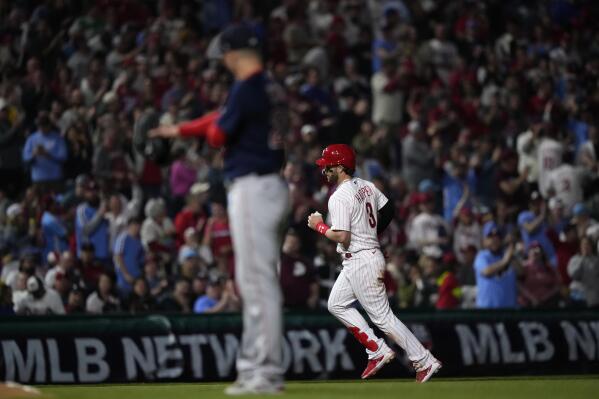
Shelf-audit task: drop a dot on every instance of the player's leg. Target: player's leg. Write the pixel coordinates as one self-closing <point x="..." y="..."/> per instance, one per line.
<point x="256" y="237"/>
<point x="340" y="304"/>
<point x="370" y="291"/>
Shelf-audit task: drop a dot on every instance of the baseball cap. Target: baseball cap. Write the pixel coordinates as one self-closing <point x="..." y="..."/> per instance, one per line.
<point x="238" y="37"/>
<point x="491" y="228"/>
<point x="308" y="129"/>
<point x="33" y="284"/>
<point x="14" y="210"/>
<point x="188" y="253"/>
<point x="579" y="209"/>
<point x="427" y="185"/>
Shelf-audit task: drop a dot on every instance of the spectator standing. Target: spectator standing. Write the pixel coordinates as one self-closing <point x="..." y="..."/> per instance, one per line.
<point x="387" y="97"/>
<point x="467" y="233"/>
<point x="157" y="230"/>
<point x="511" y="185"/>
<point x="76" y="301"/>
<point x="427" y="230"/>
<point x="80" y="150"/>
<point x="533" y="226"/>
<point x="140" y="300"/>
<point x="549" y="157"/>
<point x="297" y="275"/>
<point x="439" y="52"/>
<point x="459" y="183"/>
<point x="183" y="175"/>
<point x="565" y="183"/>
<point x="38" y="300"/>
<point x="566" y="246"/>
<point x="6" y="305"/>
<point x="193" y="214"/>
<point x="103" y="300"/>
<point x="90" y="268"/>
<point x="581" y="216"/>
<point x="495" y="271"/>
<point x="583" y="269"/>
<point x="527" y="146"/>
<point x="417" y="156"/>
<point x="215" y="300"/>
<point x="448" y="292"/>
<point x="157" y="282"/>
<point x="128" y="257"/>
<point x="179" y="300"/>
<point x="217" y="235"/>
<point x="54" y="232"/>
<point x="66" y="264"/>
<point x="383" y="48"/>
<point x="121" y="210"/>
<point x="538" y="285"/>
<point x="91" y="225"/>
<point x="45" y="152"/>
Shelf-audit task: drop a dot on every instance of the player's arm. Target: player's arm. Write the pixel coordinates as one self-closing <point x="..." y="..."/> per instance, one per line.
<point x="315" y="222"/>
<point x="205" y="126"/>
<point x="339" y="236"/>
<point x="386" y="214"/>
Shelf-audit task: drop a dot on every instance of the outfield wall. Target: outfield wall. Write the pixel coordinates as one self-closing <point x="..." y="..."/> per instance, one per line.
<point x="97" y="349"/>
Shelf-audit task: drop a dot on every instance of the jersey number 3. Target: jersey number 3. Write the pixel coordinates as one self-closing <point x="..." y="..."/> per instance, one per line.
<point x="371" y="218"/>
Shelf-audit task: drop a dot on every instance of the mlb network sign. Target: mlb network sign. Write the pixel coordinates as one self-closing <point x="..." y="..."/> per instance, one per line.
<point x="324" y="350"/>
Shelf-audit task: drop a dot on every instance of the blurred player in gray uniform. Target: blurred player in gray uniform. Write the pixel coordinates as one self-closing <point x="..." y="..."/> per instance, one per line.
<point x="358" y="213"/>
<point x="258" y="204"/>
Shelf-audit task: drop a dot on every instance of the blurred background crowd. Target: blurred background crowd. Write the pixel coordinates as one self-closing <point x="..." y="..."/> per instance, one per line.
<point x="478" y="119"/>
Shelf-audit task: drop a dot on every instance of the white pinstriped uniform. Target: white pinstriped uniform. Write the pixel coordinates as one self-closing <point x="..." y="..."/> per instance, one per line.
<point x="549" y="157"/>
<point x="353" y="207"/>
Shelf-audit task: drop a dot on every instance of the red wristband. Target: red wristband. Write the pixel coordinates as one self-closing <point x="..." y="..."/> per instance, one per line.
<point x="322" y="228"/>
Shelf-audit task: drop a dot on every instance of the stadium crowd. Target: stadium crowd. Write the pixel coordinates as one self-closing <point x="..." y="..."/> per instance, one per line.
<point x="477" y="118"/>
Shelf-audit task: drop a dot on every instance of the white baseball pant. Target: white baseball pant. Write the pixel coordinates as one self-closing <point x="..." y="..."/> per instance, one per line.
<point x="362" y="279"/>
<point x="257" y="209"/>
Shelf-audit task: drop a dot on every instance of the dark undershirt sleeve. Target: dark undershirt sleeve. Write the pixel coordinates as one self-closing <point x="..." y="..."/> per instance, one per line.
<point x="386" y="214"/>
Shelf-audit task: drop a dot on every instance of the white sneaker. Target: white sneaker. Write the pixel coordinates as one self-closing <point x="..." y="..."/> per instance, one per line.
<point x="255" y="386"/>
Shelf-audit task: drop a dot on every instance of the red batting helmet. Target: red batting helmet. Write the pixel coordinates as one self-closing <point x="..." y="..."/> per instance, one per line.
<point x="338" y="154"/>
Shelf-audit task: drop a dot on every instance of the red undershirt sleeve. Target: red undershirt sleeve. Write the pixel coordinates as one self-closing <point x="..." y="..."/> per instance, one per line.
<point x="198" y="127"/>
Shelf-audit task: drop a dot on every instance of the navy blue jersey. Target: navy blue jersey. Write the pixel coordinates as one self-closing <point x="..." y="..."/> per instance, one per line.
<point x="246" y="120"/>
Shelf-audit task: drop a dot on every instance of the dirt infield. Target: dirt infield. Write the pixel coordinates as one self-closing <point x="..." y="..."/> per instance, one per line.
<point x="11" y="390"/>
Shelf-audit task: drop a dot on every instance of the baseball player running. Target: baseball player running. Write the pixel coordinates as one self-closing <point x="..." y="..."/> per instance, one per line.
<point x="358" y="213"/>
<point x="258" y="203"/>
